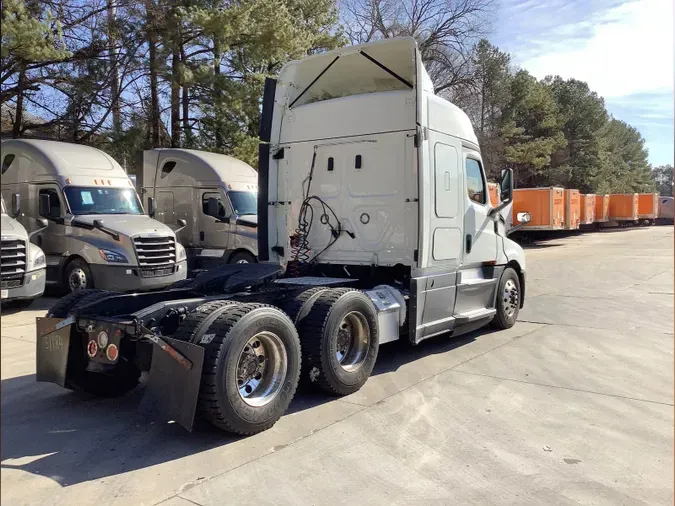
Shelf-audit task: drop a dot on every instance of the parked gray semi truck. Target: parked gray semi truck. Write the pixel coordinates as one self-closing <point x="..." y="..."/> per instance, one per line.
<point x="97" y="235"/>
<point x="215" y="194"/>
<point x="374" y="226"/>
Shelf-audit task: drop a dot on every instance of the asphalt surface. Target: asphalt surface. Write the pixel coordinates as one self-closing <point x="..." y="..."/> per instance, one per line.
<point x="574" y="405"/>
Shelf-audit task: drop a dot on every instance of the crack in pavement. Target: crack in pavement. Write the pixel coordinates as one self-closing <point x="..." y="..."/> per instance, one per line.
<point x="564" y="388"/>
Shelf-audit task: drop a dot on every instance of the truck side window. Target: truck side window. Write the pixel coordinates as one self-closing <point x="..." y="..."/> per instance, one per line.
<point x="167" y="168"/>
<point x="6" y="162"/>
<point x="54" y="202"/>
<point x="475" y="184"/>
<point x="205" y="204"/>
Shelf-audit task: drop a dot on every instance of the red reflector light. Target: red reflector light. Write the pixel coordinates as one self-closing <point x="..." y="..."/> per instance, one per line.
<point x="111" y="352"/>
<point x="92" y="349"/>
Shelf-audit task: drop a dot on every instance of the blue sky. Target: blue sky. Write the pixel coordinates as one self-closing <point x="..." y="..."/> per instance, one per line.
<point x="624" y="49"/>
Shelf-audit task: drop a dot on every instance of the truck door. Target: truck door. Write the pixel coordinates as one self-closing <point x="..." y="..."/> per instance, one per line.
<point x="52" y="240"/>
<point x="165" y="211"/>
<point x="480" y="239"/>
<point x="214" y="232"/>
<point x="477" y="277"/>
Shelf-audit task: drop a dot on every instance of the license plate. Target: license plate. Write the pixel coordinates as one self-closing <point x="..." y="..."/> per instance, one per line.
<point x="4" y="294"/>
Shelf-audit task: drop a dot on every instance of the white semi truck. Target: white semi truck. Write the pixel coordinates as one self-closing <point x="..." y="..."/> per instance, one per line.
<point x="215" y="194"/>
<point x="374" y="226"/>
<point x="22" y="264"/>
<point x="97" y="234"/>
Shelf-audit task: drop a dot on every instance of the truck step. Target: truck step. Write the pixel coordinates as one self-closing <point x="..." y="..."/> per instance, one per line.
<point x="475" y="315"/>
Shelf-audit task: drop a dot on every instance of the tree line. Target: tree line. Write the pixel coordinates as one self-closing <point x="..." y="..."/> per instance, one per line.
<point x="125" y="76"/>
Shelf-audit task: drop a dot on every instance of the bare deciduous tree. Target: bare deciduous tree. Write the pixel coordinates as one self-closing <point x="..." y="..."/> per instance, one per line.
<point x="446" y="31"/>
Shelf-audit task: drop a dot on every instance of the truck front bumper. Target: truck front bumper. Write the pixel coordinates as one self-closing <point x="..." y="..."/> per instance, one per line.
<point x="122" y="278"/>
<point x="33" y="286"/>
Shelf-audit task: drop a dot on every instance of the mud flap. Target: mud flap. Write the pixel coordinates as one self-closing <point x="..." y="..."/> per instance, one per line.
<point x="172" y="389"/>
<point x="53" y="341"/>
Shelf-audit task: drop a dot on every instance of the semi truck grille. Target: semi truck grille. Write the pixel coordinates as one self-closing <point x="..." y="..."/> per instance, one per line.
<point x="12" y="262"/>
<point x="156" y="256"/>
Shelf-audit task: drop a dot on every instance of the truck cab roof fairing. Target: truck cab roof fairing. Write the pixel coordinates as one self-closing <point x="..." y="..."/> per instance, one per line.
<point x="366" y="68"/>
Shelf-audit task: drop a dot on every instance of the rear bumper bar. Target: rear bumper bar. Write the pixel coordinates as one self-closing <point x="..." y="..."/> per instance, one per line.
<point x="175" y="372"/>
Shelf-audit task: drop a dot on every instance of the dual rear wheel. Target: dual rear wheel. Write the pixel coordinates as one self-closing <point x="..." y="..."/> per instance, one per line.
<point x="253" y="353"/>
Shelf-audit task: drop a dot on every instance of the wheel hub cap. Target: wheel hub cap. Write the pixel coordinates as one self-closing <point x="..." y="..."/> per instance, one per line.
<point x="77" y="280"/>
<point x="353" y="341"/>
<point x="510" y="297"/>
<point x="261" y="369"/>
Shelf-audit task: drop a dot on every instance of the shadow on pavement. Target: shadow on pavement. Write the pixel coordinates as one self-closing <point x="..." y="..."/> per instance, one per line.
<point x="41" y="304"/>
<point x="72" y="437"/>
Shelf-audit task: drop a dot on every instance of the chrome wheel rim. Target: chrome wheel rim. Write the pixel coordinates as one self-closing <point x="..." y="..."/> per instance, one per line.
<point x="352" y="341"/>
<point x="77" y="280"/>
<point x="242" y="261"/>
<point x="261" y="369"/>
<point x="510" y="297"/>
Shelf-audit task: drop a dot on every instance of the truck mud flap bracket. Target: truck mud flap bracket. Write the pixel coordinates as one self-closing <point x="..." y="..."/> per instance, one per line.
<point x="173" y="383"/>
<point x="52" y="345"/>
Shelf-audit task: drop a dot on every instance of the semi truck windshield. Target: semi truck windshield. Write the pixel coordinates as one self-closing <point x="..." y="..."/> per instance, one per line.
<point x="92" y="200"/>
<point x="244" y="202"/>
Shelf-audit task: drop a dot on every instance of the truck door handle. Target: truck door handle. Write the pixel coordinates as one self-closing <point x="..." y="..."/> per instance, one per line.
<point x="468" y="244"/>
<point x="201" y="235"/>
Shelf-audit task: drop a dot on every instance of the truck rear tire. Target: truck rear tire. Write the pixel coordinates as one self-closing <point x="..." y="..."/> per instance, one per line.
<point x="298" y="306"/>
<point x="115" y="383"/>
<point x="195" y="324"/>
<point x="66" y="304"/>
<point x="508" y="300"/>
<point x="251" y="368"/>
<point x="340" y="341"/>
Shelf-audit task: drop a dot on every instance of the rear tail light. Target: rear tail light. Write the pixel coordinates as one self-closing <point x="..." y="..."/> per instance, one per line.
<point x="112" y="352"/>
<point x="92" y="349"/>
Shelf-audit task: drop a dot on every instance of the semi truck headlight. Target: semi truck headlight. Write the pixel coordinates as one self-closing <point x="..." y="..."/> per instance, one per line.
<point x="112" y="256"/>
<point x="39" y="260"/>
<point x="37" y="257"/>
<point x="180" y="252"/>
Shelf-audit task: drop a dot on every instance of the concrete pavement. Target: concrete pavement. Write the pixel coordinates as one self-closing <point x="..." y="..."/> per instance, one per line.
<point x="574" y="405"/>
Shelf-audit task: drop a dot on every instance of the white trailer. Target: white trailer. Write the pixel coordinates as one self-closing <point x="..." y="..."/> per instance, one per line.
<point x="374" y="225"/>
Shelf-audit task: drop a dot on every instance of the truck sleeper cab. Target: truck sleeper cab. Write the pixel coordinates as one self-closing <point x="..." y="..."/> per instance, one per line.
<point x="374" y="226"/>
<point x="215" y="194"/>
<point x="22" y="264"/>
<point x="97" y="234"/>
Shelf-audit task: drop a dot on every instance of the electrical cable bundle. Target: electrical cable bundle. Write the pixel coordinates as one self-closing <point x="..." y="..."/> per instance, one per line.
<point x="300" y="250"/>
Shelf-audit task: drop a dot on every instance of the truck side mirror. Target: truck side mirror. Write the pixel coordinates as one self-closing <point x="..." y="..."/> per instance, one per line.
<point x="212" y="207"/>
<point x="506" y="185"/>
<point x="16" y="205"/>
<point x="524" y="217"/>
<point x="45" y="205"/>
<point x="181" y="225"/>
<point x="151" y="207"/>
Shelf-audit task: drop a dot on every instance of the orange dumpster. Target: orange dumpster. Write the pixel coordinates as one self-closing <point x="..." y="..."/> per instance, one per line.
<point x="493" y="191"/>
<point x="623" y="207"/>
<point x="601" y="208"/>
<point x="587" y="209"/>
<point x="545" y="205"/>
<point x="572" y="209"/>
<point x="648" y="206"/>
